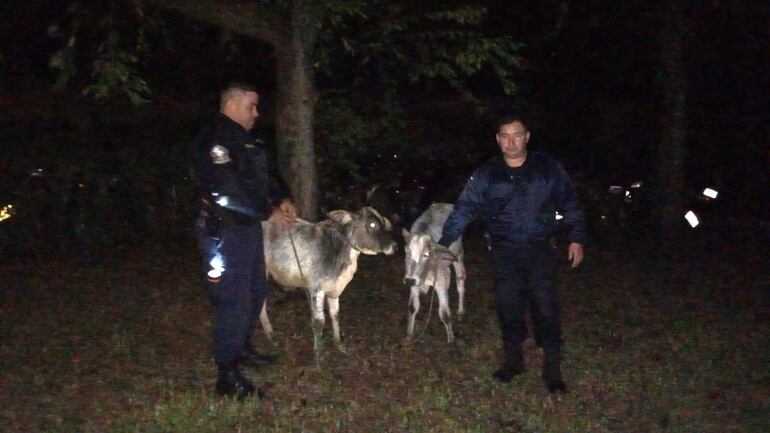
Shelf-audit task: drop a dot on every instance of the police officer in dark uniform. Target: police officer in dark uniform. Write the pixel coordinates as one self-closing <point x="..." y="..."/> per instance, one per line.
<point x="518" y="197"/>
<point x="237" y="191"/>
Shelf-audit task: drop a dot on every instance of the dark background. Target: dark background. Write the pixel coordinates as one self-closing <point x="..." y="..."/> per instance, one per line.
<point x="104" y="173"/>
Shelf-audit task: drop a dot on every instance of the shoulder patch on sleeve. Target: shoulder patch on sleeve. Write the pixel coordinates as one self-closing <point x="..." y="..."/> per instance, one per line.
<point x="219" y="154"/>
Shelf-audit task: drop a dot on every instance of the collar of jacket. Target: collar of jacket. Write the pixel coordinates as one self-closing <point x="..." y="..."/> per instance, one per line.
<point x="233" y="132"/>
<point x="536" y="164"/>
<point x="229" y="123"/>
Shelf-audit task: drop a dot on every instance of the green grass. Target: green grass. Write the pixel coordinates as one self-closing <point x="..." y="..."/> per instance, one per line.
<point x="123" y="346"/>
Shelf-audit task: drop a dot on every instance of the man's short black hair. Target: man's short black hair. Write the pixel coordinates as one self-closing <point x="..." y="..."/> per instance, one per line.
<point x="510" y="118"/>
<point x="243" y="86"/>
<point x="233" y="89"/>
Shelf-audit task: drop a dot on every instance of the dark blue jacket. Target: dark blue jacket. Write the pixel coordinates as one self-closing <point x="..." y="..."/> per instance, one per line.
<point x="234" y="181"/>
<point x="518" y="205"/>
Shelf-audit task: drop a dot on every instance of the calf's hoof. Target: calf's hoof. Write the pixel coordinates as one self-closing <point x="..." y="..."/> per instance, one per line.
<point x="319" y="357"/>
<point x="271" y="339"/>
<point x="407" y="341"/>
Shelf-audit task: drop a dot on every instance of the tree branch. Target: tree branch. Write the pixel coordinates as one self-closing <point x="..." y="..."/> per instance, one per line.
<point x="248" y="18"/>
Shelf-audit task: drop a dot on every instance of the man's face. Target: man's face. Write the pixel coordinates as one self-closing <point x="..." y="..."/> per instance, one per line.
<point x="512" y="139"/>
<point x="243" y="109"/>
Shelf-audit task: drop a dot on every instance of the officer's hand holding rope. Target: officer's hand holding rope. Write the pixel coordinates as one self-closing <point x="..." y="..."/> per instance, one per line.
<point x="284" y="214"/>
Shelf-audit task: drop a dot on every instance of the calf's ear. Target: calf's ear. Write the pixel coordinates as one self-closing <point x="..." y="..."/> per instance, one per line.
<point x="405" y="234"/>
<point x="340" y="215"/>
<point x="388" y="225"/>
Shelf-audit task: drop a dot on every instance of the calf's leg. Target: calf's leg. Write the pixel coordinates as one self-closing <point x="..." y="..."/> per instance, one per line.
<point x="444" y="312"/>
<point x="334" y="311"/>
<point x="459" y="267"/>
<point x="414" y="307"/>
<point x="266" y="326"/>
<point x="317" y="306"/>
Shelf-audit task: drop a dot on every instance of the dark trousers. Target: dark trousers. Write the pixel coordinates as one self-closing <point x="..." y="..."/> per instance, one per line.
<point x="526" y="273"/>
<point x="240" y="292"/>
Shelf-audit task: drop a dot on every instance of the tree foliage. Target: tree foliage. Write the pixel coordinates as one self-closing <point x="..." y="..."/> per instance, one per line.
<point x="384" y="70"/>
<point x="385" y="52"/>
<point x="404" y="43"/>
<point x="105" y="40"/>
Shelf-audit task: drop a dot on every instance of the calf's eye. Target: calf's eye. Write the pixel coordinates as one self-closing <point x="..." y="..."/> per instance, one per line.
<point x="373" y="225"/>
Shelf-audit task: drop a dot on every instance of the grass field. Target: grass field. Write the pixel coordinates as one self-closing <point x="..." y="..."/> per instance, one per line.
<point x="122" y="345"/>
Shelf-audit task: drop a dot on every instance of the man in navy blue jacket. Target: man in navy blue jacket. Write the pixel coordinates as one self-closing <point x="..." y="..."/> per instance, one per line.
<point x="518" y="197"/>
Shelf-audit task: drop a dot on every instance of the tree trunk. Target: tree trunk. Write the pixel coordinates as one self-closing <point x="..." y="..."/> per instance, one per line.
<point x="294" y="111"/>
<point x="672" y="151"/>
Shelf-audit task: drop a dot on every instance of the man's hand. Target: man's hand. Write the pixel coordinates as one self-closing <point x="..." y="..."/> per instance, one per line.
<point x="284" y="214"/>
<point x="575" y="254"/>
<point x="288" y="207"/>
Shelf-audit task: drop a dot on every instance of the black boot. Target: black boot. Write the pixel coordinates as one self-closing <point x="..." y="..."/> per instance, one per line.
<point x="552" y="371"/>
<point x="232" y="384"/>
<point x="250" y="358"/>
<point x="513" y="363"/>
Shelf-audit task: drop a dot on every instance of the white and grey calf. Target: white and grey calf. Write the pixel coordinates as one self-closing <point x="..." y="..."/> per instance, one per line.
<point x="427" y="265"/>
<point x="327" y="253"/>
